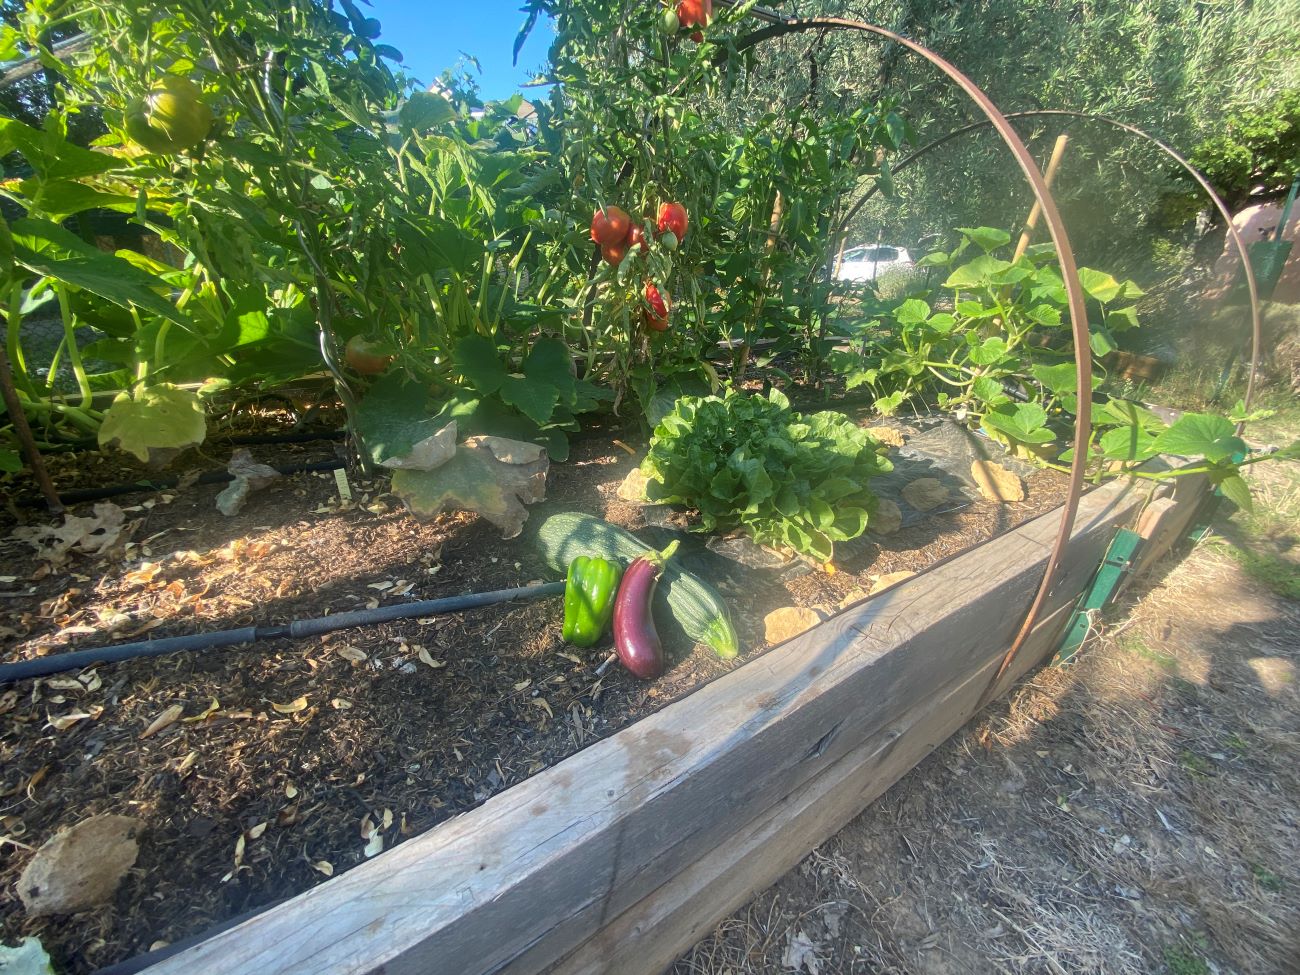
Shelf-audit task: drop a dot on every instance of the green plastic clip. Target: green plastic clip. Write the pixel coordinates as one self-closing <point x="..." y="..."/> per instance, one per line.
<point x="1116" y="564"/>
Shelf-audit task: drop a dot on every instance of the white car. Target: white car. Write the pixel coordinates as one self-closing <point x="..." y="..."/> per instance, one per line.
<point x="867" y="262"/>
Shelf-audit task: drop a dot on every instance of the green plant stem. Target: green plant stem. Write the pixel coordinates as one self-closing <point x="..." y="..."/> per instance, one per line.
<point x="159" y="347"/>
<point x="74" y="354"/>
<point x="13" y="342"/>
<point x="83" y="417"/>
<point x="55" y="361"/>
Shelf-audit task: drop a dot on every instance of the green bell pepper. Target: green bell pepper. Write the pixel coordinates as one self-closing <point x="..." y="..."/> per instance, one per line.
<point x="589" y="592"/>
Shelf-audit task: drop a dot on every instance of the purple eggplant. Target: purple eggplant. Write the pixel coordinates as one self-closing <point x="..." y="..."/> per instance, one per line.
<point x="635" y="637"/>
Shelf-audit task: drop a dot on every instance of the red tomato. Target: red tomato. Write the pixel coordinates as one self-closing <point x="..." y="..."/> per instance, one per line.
<point x="363" y="358"/>
<point x="636" y="238"/>
<point x="656" y="315"/>
<point x="694" y="13"/>
<point x="697" y="36"/>
<point x="672" y="217"/>
<point x="609" y="226"/>
<point x="615" y="252"/>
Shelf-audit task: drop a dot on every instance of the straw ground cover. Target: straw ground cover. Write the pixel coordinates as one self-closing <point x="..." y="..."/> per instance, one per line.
<point x="1134" y="813"/>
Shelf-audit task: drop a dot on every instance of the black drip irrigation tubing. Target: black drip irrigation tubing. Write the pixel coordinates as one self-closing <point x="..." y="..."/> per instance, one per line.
<point x="170" y="481"/>
<point x="240" y="440"/>
<point x="77" y="659"/>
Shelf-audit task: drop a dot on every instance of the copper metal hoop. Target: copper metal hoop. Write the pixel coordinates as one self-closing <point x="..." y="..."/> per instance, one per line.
<point x="1069" y="273"/>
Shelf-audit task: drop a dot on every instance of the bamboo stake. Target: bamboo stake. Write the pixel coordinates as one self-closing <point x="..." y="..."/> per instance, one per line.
<point x="1053" y="164"/>
<point x="740" y="359"/>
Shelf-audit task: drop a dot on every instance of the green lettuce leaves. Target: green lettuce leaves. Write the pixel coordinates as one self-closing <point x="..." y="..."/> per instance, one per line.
<point x="751" y="463"/>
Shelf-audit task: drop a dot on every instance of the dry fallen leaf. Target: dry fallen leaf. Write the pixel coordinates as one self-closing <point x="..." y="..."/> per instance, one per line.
<point x="290" y="790"/>
<point x="37" y="778"/>
<point x="373" y="835"/>
<point x="925" y="493"/>
<point x="65" y="721"/>
<point x="293" y="707"/>
<point x="490" y="475"/>
<point x="788" y="622"/>
<point x="388" y="818"/>
<point x="208" y="712"/>
<point x="541" y="702"/>
<point x="340" y="704"/>
<point x="79" y="867"/>
<point x="92" y="536"/>
<point x="143" y="575"/>
<point x="323" y="866"/>
<point x="256" y="832"/>
<point x="426" y="658"/>
<point x="351" y="654"/>
<point x="247" y="476"/>
<point x="168" y="718"/>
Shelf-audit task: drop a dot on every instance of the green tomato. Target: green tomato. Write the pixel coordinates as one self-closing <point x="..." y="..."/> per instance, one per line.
<point x="171" y="118"/>
<point x="669" y="23"/>
<point x="669" y="240"/>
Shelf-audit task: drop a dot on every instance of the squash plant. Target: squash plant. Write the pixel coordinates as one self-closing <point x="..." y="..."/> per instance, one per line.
<point x="325" y="204"/>
<point x="992" y="344"/>
<point x="121" y="296"/>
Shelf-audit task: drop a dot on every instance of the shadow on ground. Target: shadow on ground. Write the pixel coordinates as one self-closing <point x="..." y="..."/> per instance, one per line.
<point x="1134" y="813"/>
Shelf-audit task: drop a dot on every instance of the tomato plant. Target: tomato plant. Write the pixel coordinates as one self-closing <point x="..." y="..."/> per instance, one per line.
<point x="673" y="220"/>
<point x="365" y="358"/>
<point x="609" y="226"/>
<point x="172" y="117"/>
<point x="656" y="312"/>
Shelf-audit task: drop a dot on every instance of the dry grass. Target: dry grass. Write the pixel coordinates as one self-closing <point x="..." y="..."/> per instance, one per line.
<point x="1137" y="812"/>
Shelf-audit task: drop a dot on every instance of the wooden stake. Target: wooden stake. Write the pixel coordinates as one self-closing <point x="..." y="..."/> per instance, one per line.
<point x="25" y="438"/>
<point x="1053" y="164"/>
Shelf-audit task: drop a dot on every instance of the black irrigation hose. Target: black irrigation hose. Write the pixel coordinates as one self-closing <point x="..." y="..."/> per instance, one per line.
<point x="170" y="481"/>
<point x="242" y="440"/>
<point x="76" y="659"/>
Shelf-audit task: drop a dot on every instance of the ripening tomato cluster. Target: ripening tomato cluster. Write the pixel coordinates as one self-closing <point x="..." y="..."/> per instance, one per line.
<point x="688" y="14"/>
<point x="616" y="234"/>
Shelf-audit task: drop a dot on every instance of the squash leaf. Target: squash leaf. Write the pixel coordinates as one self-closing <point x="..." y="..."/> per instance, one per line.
<point x="491" y="476"/>
<point x="156" y="417"/>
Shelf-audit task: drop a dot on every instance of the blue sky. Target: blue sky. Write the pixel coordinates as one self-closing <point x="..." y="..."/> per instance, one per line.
<point x="431" y="34"/>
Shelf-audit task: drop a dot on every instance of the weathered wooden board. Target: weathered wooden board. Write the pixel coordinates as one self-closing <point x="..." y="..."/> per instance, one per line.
<point x="543" y="867"/>
<point x="650" y="935"/>
<point x="1167" y="520"/>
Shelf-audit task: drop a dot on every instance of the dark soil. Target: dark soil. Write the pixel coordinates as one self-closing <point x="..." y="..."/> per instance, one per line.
<point x="300" y="747"/>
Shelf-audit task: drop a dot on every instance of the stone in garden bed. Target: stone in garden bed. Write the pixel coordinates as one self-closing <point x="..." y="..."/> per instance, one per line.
<point x="996" y="482"/>
<point x="925" y="493"/>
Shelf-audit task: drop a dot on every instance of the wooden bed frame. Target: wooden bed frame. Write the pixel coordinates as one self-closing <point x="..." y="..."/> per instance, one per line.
<point x="622" y="856"/>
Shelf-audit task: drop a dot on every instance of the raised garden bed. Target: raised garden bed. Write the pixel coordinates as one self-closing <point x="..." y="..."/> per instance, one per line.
<point x="498" y="699"/>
